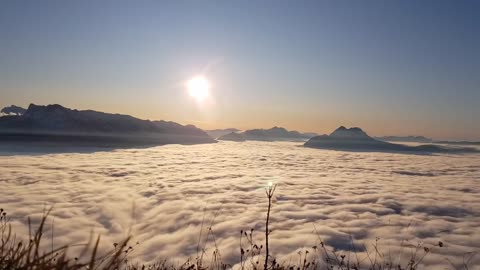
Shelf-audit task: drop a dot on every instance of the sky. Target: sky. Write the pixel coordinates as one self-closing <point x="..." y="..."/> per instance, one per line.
<point x="389" y="67"/>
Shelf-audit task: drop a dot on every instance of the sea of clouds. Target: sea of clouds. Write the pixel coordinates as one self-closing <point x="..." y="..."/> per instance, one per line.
<point x="162" y="196"/>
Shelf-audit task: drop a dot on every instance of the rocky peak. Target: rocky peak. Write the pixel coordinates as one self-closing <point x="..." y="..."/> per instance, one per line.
<point x="354" y="132"/>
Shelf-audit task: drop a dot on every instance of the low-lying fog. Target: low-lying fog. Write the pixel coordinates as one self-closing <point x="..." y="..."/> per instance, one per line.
<point x="169" y="189"/>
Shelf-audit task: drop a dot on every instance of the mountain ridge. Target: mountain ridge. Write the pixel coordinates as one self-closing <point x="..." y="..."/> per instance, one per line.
<point x="215" y="133"/>
<point x="355" y="139"/>
<point x="87" y="125"/>
<point x="418" y="139"/>
<point x="273" y="134"/>
<point x="56" y="118"/>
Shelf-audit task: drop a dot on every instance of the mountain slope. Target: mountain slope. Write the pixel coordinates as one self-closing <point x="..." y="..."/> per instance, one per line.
<point x="216" y="133"/>
<point x="60" y="121"/>
<point x="236" y="137"/>
<point x="275" y="134"/>
<point x="272" y="134"/>
<point x="418" y="139"/>
<point x="355" y="139"/>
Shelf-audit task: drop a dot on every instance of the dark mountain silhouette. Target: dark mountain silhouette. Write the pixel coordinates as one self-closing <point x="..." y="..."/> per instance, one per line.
<point x="13" y="110"/>
<point x="42" y="123"/>
<point x="275" y="134"/>
<point x="233" y="136"/>
<point x="350" y="133"/>
<point x="418" y="139"/>
<point x="272" y="134"/>
<point x="309" y="134"/>
<point x="216" y="133"/>
<point x="355" y="139"/>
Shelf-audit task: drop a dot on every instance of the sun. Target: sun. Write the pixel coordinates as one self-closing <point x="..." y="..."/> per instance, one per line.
<point x="198" y="87"/>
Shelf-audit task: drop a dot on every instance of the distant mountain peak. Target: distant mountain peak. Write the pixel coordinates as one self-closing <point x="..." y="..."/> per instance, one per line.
<point x="279" y="129"/>
<point x="38" y="109"/>
<point x="16" y="110"/>
<point x="216" y="133"/>
<point x="272" y="134"/>
<point x="355" y="139"/>
<point x="33" y="106"/>
<point x="233" y="136"/>
<point x="354" y="132"/>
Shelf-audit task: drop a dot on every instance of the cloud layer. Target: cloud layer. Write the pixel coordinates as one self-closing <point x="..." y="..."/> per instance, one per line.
<point x="161" y="196"/>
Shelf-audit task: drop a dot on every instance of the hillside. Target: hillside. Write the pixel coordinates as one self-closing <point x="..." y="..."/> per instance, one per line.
<point x="355" y="139"/>
<point x="268" y="135"/>
<point x="59" y="124"/>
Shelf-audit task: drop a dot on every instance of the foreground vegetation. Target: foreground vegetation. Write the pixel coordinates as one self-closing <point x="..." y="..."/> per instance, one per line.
<point x="17" y="254"/>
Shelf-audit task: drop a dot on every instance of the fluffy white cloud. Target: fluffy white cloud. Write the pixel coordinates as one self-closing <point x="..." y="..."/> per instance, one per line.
<point x="161" y="196"/>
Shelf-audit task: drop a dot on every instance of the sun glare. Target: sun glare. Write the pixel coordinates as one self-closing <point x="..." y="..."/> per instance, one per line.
<point x="198" y="88"/>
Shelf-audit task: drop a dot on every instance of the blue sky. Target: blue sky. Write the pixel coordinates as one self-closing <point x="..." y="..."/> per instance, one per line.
<point x="390" y="67"/>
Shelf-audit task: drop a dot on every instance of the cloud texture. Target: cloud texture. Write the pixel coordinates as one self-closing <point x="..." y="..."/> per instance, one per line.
<point x="161" y="195"/>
